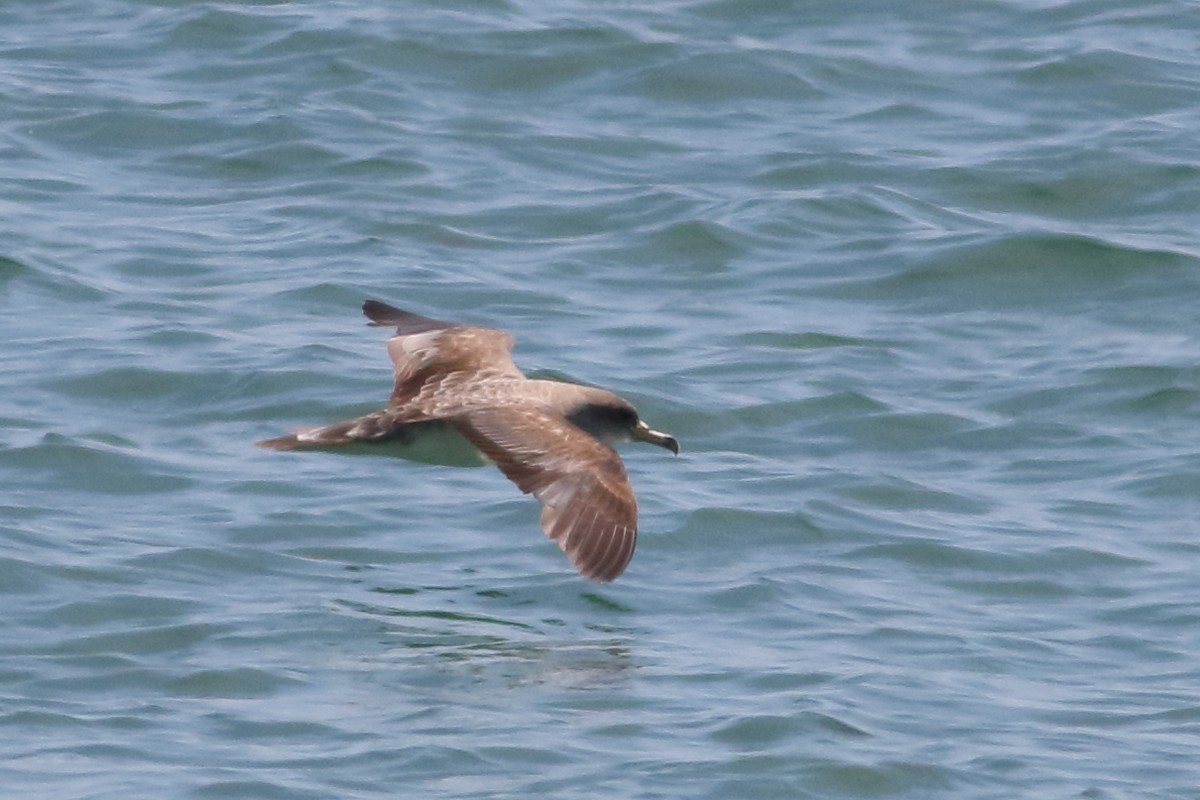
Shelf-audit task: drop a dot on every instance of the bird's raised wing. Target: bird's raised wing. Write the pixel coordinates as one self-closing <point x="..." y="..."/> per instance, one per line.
<point x="588" y="506"/>
<point x="430" y="351"/>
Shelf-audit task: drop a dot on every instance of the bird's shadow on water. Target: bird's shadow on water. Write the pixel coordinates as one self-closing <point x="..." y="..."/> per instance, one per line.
<point x="502" y="636"/>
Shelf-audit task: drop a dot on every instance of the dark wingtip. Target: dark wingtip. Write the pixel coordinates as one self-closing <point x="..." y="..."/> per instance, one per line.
<point x="380" y="313"/>
<point x="383" y="315"/>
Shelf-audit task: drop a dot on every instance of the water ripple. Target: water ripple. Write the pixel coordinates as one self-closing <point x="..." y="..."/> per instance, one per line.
<point x="917" y="292"/>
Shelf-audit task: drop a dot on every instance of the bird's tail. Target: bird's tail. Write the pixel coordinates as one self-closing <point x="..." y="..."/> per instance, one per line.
<point x="371" y="428"/>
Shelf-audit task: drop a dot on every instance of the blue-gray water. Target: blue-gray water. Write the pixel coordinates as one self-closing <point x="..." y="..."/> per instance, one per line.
<point x="917" y="285"/>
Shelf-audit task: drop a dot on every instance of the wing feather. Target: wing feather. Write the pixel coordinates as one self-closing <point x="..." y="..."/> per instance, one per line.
<point x="588" y="506"/>
<point x="430" y="356"/>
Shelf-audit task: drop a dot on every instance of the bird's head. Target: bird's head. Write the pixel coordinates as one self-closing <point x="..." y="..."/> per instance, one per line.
<point x="610" y="419"/>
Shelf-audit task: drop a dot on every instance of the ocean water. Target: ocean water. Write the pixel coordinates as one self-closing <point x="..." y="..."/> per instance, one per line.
<point x="917" y="286"/>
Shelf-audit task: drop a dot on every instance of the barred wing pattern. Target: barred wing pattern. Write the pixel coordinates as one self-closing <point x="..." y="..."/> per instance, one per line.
<point x="588" y="506"/>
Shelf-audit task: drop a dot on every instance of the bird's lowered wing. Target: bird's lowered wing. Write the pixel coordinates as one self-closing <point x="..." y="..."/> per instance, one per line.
<point x="588" y="506"/>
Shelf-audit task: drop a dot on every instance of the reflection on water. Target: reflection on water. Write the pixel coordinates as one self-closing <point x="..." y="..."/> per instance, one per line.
<point x="493" y="649"/>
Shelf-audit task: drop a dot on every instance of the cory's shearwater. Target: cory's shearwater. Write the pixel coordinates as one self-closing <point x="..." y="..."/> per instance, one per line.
<point x="552" y="439"/>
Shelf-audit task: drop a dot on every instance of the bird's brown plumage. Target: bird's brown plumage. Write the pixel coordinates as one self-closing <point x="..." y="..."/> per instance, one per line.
<point x="464" y="377"/>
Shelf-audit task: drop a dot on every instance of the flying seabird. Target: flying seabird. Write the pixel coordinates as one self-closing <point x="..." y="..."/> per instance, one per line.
<point x="552" y="439"/>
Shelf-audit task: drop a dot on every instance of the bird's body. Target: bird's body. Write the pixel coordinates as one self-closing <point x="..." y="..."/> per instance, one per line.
<point x="458" y="392"/>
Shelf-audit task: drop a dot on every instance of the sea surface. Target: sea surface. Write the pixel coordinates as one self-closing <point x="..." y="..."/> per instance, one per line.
<point x="916" y="286"/>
